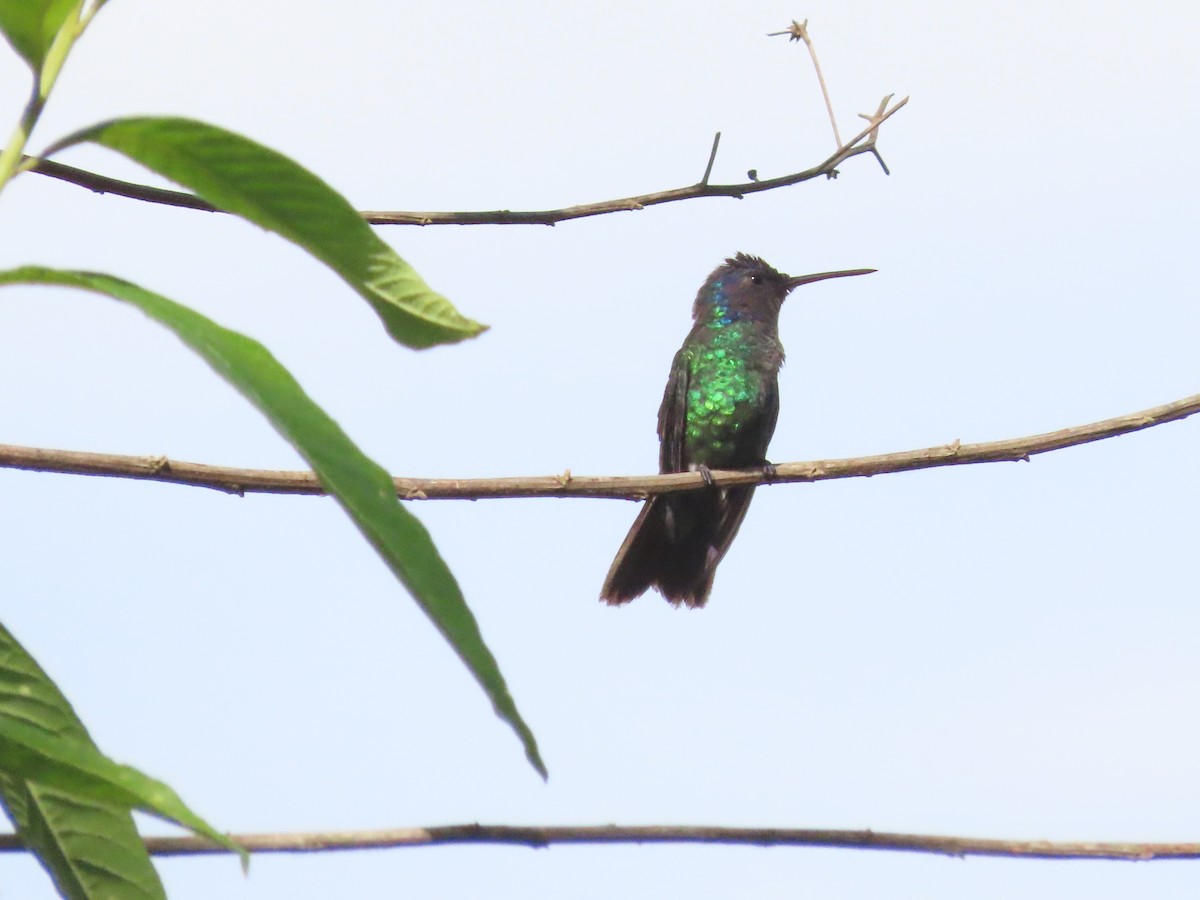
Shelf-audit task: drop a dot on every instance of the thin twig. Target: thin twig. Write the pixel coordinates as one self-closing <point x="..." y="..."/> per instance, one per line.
<point x="543" y="836"/>
<point x="102" y="184"/>
<point x="712" y="157"/>
<point x="798" y="31"/>
<point x="258" y="481"/>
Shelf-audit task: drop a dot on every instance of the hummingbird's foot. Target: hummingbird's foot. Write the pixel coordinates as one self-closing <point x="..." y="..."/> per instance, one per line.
<point x="770" y="473"/>
<point x="706" y="474"/>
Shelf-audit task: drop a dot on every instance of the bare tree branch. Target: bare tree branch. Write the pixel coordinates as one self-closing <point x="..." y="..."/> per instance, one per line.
<point x="633" y="487"/>
<point x="864" y="142"/>
<point x="545" y="836"/>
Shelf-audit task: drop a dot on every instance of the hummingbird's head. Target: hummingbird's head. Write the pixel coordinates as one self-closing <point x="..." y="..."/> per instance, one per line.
<point x="746" y="287"/>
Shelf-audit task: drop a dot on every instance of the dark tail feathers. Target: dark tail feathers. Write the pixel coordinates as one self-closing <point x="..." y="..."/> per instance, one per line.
<point x="675" y="545"/>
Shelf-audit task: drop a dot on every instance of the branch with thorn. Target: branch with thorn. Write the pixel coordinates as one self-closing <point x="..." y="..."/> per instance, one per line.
<point x="712" y="157"/>
<point x="863" y="143"/>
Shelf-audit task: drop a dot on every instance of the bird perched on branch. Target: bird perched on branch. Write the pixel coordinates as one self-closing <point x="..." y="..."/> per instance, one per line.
<point x="718" y="412"/>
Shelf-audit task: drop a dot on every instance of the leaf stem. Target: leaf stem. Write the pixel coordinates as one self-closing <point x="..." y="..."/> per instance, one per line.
<point x="11" y="162"/>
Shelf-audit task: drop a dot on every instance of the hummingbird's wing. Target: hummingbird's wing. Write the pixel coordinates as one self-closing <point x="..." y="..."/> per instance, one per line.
<point x="672" y="415"/>
<point x="754" y="450"/>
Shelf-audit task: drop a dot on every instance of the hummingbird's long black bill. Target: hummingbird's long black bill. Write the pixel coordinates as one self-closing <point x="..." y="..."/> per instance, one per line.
<point x="821" y="276"/>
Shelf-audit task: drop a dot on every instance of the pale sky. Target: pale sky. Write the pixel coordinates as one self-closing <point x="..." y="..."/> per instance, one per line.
<point x="994" y="651"/>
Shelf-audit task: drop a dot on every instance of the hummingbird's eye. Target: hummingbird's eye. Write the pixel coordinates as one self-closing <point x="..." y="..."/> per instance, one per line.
<point x="756" y="278"/>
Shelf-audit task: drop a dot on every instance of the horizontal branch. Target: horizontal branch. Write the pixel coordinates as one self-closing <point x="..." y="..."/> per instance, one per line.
<point x="864" y="142"/>
<point x="635" y="487"/>
<point x="545" y="836"/>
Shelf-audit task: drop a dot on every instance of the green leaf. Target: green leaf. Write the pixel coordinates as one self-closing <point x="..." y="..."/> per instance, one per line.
<point x="76" y="768"/>
<point x="91" y="849"/>
<point x="254" y="182"/>
<point x="363" y="488"/>
<point x="30" y="26"/>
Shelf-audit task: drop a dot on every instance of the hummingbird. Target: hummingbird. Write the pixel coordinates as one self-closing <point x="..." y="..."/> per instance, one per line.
<point x="718" y="412"/>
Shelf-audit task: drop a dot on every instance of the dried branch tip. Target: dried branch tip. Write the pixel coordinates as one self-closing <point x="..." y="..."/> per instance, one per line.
<point x="797" y="31"/>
